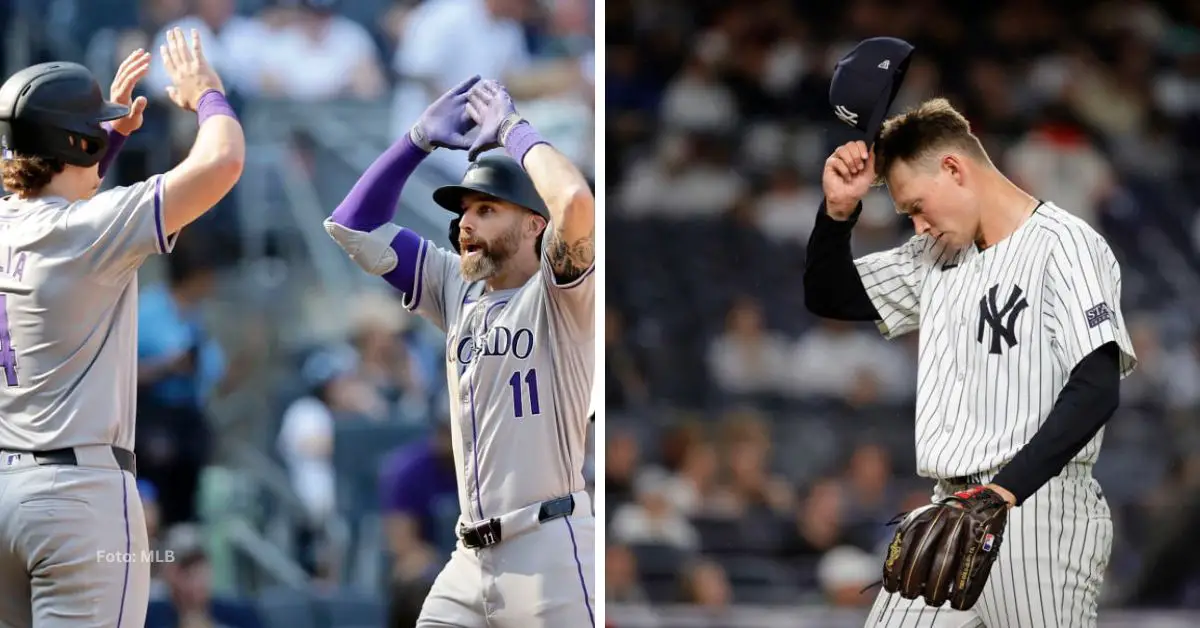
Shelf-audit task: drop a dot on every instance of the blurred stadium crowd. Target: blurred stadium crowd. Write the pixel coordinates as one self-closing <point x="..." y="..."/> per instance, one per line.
<point x="292" y="442"/>
<point x="754" y="453"/>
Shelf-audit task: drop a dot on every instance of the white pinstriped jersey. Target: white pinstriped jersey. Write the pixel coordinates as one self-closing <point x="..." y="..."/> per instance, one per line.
<point x="519" y="366"/>
<point x="1000" y="332"/>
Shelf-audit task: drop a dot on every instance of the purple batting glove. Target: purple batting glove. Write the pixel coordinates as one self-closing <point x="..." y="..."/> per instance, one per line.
<point x="490" y="106"/>
<point x="445" y="123"/>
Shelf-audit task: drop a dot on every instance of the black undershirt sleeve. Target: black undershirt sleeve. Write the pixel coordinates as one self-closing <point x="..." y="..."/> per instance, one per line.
<point x="832" y="285"/>
<point x="1085" y="404"/>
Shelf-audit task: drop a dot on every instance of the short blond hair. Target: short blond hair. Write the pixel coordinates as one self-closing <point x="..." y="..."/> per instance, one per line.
<point x="915" y="135"/>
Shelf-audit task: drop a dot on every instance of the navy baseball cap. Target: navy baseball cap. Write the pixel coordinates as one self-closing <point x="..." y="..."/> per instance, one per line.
<point x="866" y="81"/>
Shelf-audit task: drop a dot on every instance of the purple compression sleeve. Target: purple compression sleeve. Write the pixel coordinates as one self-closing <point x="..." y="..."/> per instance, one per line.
<point x="115" y="141"/>
<point x="372" y="202"/>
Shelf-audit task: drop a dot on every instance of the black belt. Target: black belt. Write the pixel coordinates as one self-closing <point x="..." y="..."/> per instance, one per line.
<point x="126" y="460"/>
<point x="965" y="480"/>
<point x="487" y="533"/>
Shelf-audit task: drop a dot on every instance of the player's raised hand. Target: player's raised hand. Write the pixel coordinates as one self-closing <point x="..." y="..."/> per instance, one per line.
<point x="133" y="69"/>
<point x="848" y="174"/>
<point x="445" y="123"/>
<point x="490" y="105"/>
<point x="190" y="73"/>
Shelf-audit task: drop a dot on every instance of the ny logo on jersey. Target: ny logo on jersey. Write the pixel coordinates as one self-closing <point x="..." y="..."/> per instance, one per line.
<point x="1003" y="321"/>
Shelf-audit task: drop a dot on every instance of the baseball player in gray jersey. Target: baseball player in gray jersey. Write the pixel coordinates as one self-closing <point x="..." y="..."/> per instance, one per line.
<point x="516" y="300"/>
<point x="1022" y="349"/>
<point x="73" y="546"/>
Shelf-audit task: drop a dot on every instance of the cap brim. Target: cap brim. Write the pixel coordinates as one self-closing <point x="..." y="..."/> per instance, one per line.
<point x="112" y="111"/>
<point x="450" y="196"/>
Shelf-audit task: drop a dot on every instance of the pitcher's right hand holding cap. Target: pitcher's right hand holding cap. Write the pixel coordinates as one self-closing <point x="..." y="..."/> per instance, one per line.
<point x="864" y="85"/>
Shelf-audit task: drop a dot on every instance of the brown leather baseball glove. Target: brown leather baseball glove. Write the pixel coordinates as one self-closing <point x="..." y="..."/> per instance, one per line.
<point x="944" y="551"/>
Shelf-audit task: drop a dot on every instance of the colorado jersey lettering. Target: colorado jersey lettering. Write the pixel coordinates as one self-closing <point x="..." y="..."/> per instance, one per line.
<point x="520" y="369"/>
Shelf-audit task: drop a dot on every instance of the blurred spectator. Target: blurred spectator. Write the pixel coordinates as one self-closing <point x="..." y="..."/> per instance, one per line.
<point x="387" y="360"/>
<point x="819" y="520"/>
<point x="443" y="42"/>
<point x="783" y="211"/>
<point x="843" y="573"/>
<point x="747" y="358"/>
<point x="621" y="460"/>
<point x="837" y="360"/>
<point x="148" y="496"/>
<point x="189" y="602"/>
<point x="652" y="518"/>
<point x="870" y="500"/>
<point x="419" y="495"/>
<point x="335" y="392"/>
<point x="1183" y="364"/>
<point x="1147" y="386"/>
<point x="675" y="184"/>
<point x="693" y="489"/>
<point x="748" y="487"/>
<point x="235" y="45"/>
<point x="697" y="101"/>
<point x="1058" y="162"/>
<point x="620" y="576"/>
<point x="625" y="385"/>
<point x="705" y="584"/>
<point x="321" y="55"/>
<point x="180" y="367"/>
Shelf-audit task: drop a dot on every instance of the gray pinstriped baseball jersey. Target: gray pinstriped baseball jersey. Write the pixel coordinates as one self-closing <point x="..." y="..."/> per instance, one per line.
<point x="68" y="350"/>
<point x="519" y="366"/>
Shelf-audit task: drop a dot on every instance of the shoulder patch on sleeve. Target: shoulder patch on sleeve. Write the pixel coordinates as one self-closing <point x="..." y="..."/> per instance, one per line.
<point x="1098" y="314"/>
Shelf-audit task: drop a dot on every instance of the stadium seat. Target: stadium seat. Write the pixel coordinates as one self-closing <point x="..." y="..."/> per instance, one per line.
<point x="719" y="535"/>
<point x="286" y="608"/>
<point x="654" y="560"/>
<point x="765" y="595"/>
<point x="352" y="609"/>
<point x="359" y="448"/>
<point x="749" y="570"/>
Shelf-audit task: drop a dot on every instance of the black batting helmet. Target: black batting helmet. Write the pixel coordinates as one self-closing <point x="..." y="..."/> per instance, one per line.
<point x="43" y="106"/>
<point x="500" y="177"/>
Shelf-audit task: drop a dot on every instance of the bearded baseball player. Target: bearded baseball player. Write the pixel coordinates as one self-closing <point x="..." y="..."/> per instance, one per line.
<point x="1022" y="349"/>
<point x="516" y="299"/>
<point x="73" y="546"/>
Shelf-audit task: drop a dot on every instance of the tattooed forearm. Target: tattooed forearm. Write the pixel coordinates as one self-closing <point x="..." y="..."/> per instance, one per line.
<point x="570" y="261"/>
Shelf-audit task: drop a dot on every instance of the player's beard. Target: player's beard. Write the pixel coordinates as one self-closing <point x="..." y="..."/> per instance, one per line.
<point x="492" y="255"/>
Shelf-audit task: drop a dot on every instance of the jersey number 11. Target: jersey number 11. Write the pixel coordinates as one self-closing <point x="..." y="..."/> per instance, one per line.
<point x="8" y="355"/>
<point x="519" y="393"/>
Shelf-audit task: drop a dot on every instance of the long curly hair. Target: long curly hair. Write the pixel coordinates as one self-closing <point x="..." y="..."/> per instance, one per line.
<point x="28" y="176"/>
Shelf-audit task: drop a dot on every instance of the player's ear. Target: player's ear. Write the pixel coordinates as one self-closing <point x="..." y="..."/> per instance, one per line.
<point x="953" y="166"/>
<point x="536" y="224"/>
